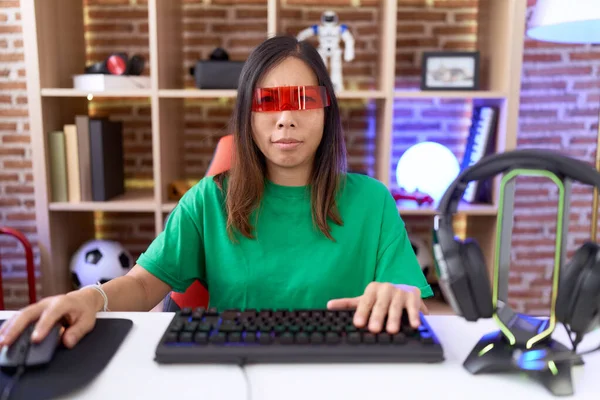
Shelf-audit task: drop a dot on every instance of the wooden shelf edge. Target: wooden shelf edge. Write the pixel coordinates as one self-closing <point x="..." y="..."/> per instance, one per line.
<point x="232" y="93"/>
<point x="361" y="94"/>
<point x="411" y="208"/>
<point x="196" y="93"/>
<point x="457" y="94"/>
<point x="168" y="207"/>
<point x="134" y="201"/>
<point x="60" y="92"/>
<point x="438" y="307"/>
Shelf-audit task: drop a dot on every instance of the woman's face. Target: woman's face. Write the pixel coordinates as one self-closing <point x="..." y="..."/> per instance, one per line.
<point x="288" y="139"/>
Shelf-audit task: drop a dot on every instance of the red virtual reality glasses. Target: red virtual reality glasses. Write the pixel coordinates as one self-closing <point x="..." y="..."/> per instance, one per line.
<point x="292" y="98"/>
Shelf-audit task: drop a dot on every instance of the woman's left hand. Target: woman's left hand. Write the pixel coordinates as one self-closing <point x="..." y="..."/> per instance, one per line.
<point x="380" y="300"/>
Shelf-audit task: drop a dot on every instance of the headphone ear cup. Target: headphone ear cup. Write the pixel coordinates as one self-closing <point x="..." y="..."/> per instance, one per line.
<point x="569" y="278"/>
<point x="136" y="65"/>
<point x="579" y="298"/>
<point x="116" y="63"/>
<point x="478" y="278"/>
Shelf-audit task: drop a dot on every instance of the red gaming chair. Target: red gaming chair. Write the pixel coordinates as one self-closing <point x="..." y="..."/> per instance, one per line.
<point x="28" y="264"/>
<point x="197" y="295"/>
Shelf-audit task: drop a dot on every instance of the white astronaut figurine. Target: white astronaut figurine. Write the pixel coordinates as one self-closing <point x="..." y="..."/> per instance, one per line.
<point x="329" y="33"/>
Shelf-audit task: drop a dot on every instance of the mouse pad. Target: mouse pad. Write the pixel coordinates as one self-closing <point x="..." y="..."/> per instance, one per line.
<point x="71" y="369"/>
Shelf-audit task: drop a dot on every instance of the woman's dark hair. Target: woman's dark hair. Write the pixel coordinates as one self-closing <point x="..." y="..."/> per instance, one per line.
<point x="248" y="170"/>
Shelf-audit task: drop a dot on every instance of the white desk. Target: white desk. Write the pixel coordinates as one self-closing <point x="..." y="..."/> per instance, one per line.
<point x="133" y="373"/>
<point x="447" y="380"/>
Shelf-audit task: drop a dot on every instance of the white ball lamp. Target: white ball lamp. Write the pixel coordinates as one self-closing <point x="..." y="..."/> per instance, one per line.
<point x="427" y="167"/>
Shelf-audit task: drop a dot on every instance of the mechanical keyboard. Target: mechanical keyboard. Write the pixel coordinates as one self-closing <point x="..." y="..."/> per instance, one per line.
<point x="292" y="336"/>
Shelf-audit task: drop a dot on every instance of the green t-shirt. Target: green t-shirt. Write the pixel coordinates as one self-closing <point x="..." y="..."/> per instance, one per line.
<point x="290" y="264"/>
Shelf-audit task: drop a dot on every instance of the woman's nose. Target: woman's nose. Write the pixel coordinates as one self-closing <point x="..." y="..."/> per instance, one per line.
<point x="286" y="120"/>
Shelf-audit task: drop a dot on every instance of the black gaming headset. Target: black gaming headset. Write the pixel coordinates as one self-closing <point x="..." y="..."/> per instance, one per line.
<point x="462" y="271"/>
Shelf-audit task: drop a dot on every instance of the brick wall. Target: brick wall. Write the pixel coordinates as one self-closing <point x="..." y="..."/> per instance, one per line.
<point x="560" y="94"/>
<point x="16" y="179"/>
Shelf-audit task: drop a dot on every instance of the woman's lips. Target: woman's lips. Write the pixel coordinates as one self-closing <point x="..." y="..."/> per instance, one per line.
<point x="287" y="144"/>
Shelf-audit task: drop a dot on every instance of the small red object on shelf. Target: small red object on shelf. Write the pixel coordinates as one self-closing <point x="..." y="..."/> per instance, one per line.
<point x="419" y="197"/>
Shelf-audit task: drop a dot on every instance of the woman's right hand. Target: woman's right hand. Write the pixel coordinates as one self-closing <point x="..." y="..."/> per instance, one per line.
<point x="78" y="309"/>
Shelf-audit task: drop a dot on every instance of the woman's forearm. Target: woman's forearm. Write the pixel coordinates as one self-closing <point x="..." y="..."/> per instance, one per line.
<point x="136" y="291"/>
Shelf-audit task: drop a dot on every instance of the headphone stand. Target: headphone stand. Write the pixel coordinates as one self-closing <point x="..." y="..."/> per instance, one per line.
<point x="494" y="354"/>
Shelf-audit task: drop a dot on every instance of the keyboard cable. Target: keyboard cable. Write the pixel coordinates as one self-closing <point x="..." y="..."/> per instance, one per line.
<point x="21" y="362"/>
<point x="247" y="379"/>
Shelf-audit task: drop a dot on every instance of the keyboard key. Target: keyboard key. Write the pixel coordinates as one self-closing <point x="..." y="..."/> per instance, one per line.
<point x="230" y="314"/>
<point x="332" y="338"/>
<point x="186" y="312"/>
<point x="399" y="338"/>
<point x="190" y="326"/>
<point x="201" y="337"/>
<point x="249" y="337"/>
<point x="248" y="314"/>
<point x="171" y="337"/>
<point x="204" y="326"/>
<point x="234" y="337"/>
<point x="198" y="314"/>
<point x="176" y="327"/>
<point x="302" y="338"/>
<point x="384" y="337"/>
<point x="217" y="337"/>
<point x="186" y="337"/>
<point x="316" y="337"/>
<point x="286" y="338"/>
<point x="354" y="337"/>
<point x="264" y="338"/>
<point x="369" y="338"/>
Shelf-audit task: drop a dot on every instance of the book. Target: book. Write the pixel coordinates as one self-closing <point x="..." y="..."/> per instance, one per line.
<point x="106" y="159"/>
<point x="82" y="123"/>
<point x="58" y="166"/>
<point x="72" y="152"/>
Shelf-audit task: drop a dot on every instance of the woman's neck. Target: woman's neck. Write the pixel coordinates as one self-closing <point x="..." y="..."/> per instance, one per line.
<point x="298" y="176"/>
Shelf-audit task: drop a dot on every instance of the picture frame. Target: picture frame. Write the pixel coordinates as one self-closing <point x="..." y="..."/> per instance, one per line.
<point x="450" y="70"/>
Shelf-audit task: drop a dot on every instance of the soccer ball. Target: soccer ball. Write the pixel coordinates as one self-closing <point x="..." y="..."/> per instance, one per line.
<point x="424" y="256"/>
<point x="99" y="261"/>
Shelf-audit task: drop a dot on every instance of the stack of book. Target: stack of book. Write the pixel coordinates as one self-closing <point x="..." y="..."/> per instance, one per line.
<point x="86" y="160"/>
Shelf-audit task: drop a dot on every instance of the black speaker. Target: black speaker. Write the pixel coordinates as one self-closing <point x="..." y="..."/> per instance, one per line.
<point x="212" y="74"/>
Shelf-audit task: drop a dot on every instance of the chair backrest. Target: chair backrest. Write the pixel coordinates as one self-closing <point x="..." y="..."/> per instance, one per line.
<point x="221" y="160"/>
<point x="29" y="266"/>
<point x="197" y="295"/>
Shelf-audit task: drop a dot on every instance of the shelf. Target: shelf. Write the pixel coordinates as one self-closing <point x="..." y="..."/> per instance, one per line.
<point x="172" y="133"/>
<point x="231" y="93"/>
<point x="196" y="93"/>
<point x="50" y="92"/>
<point x="361" y="94"/>
<point x="406" y="207"/>
<point x="132" y="201"/>
<point x="450" y="94"/>
<point x="168" y="207"/>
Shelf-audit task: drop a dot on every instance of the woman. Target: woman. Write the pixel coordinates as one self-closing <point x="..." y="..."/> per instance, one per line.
<point x="286" y="227"/>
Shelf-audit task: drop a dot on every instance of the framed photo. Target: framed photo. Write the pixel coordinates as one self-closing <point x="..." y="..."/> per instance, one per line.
<point x="450" y="71"/>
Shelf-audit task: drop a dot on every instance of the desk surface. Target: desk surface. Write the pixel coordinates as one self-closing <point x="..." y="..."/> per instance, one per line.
<point x="132" y="373"/>
<point x="420" y="381"/>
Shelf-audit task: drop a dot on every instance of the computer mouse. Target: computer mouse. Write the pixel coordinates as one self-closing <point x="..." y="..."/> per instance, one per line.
<point x="23" y="352"/>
